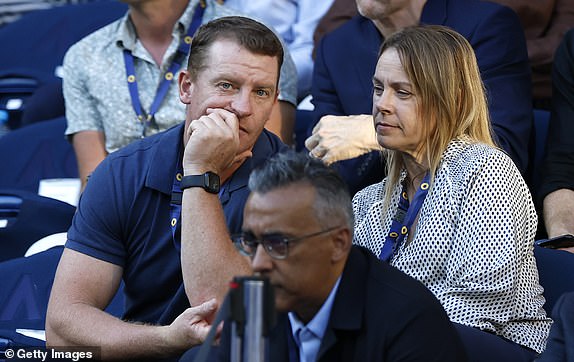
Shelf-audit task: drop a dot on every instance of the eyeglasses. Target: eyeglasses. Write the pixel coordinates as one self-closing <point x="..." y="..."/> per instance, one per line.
<point x="277" y="246"/>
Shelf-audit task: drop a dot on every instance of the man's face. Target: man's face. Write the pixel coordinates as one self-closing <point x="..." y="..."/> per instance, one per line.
<point x="380" y="9"/>
<point x="301" y="280"/>
<point x="236" y="80"/>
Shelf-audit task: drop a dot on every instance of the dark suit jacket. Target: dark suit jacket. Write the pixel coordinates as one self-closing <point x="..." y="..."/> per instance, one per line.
<point x="347" y="57"/>
<point x="558" y="166"/>
<point x="379" y="314"/>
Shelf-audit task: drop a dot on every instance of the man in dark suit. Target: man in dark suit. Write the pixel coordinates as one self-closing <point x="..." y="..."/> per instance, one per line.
<point x="557" y="184"/>
<point x="337" y="302"/>
<point x="345" y="63"/>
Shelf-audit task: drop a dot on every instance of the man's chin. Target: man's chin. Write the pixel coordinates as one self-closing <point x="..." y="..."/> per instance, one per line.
<point x="282" y="304"/>
<point x="281" y="307"/>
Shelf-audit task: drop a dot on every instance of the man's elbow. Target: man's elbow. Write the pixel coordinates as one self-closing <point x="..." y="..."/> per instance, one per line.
<point x="55" y="325"/>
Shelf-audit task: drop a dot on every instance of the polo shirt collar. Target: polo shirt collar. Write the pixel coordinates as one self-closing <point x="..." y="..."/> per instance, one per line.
<point x="261" y="151"/>
<point x="163" y="163"/>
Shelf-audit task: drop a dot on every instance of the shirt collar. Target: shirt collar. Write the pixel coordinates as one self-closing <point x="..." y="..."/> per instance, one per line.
<point x="163" y="163"/>
<point x="162" y="169"/>
<point x="319" y="323"/>
<point x="126" y="35"/>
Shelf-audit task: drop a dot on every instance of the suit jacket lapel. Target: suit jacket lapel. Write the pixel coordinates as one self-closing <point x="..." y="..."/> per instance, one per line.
<point x="348" y="308"/>
<point x="279" y="340"/>
<point x="365" y="66"/>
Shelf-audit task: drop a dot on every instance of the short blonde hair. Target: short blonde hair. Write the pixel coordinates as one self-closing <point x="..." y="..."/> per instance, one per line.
<point x="442" y="67"/>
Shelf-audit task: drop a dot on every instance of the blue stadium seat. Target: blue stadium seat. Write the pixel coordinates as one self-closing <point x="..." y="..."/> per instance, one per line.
<point x="26" y="217"/>
<point x="34" y="46"/>
<point x="26" y="286"/>
<point x="35" y="152"/>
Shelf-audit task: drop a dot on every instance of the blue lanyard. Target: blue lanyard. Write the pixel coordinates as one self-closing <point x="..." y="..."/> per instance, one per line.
<point x="175" y="204"/>
<point x="148" y="120"/>
<point x="403" y="219"/>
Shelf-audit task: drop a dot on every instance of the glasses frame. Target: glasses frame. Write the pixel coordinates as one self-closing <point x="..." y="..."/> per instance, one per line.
<point x="239" y="238"/>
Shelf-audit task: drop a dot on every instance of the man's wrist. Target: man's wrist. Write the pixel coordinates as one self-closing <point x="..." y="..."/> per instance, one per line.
<point x="196" y="170"/>
<point x="209" y="181"/>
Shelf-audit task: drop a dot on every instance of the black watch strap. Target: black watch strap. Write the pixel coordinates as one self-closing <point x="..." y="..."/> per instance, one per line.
<point x="209" y="181"/>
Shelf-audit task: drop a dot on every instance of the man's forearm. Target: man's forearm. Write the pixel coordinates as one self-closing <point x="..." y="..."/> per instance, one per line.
<point x="87" y="326"/>
<point x="559" y="212"/>
<point x="209" y="260"/>
<point x="89" y="147"/>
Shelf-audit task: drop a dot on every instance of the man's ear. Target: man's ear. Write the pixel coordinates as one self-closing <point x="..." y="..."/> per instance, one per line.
<point x="342" y="241"/>
<point x="185" y="87"/>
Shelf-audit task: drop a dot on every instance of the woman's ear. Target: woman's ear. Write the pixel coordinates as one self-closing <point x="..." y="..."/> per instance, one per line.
<point x="185" y="87"/>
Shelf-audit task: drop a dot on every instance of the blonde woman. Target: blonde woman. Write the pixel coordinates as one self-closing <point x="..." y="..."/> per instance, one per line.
<point x="454" y="211"/>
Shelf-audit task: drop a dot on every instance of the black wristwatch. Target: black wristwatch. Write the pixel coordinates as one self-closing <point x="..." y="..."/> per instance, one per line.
<point x="209" y="181"/>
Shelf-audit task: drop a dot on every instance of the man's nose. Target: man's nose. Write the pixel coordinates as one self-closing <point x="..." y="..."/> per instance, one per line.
<point x="241" y="103"/>
<point x="261" y="261"/>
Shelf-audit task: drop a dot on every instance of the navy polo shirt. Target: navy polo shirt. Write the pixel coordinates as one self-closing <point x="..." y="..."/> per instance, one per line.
<point x="123" y="217"/>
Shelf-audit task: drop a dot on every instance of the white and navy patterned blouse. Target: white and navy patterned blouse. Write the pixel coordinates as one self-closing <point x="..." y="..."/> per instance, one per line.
<point x="473" y="245"/>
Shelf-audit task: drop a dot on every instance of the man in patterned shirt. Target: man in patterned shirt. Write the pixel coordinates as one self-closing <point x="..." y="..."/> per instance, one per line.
<point x="105" y="114"/>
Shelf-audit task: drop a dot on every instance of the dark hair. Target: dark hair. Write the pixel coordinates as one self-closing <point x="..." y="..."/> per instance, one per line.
<point x="333" y="200"/>
<point x="250" y="34"/>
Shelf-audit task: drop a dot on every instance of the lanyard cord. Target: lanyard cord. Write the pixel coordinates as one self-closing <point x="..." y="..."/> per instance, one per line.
<point x="148" y="120"/>
<point x="403" y="219"/>
<point x="176" y="199"/>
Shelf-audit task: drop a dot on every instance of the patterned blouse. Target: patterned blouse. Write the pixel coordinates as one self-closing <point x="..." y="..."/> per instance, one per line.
<point x="473" y="245"/>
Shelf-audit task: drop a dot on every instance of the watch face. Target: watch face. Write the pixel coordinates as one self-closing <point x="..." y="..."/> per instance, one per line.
<point x="211" y="182"/>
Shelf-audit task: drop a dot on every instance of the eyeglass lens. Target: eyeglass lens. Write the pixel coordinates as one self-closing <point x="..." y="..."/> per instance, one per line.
<point x="274" y="245"/>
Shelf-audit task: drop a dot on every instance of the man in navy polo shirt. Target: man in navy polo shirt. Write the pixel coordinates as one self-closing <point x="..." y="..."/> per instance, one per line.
<point x="127" y="226"/>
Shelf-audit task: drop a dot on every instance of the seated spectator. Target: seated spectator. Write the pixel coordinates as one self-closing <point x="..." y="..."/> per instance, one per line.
<point x="336" y="301"/>
<point x="127" y="226"/>
<point x="344" y="66"/>
<point x="560" y="346"/>
<point x="453" y="211"/>
<point x="295" y="21"/>
<point x="340" y="12"/>
<point x="544" y="22"/>
<point x="557" y="190"/>
<point x="118" y="80"/>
